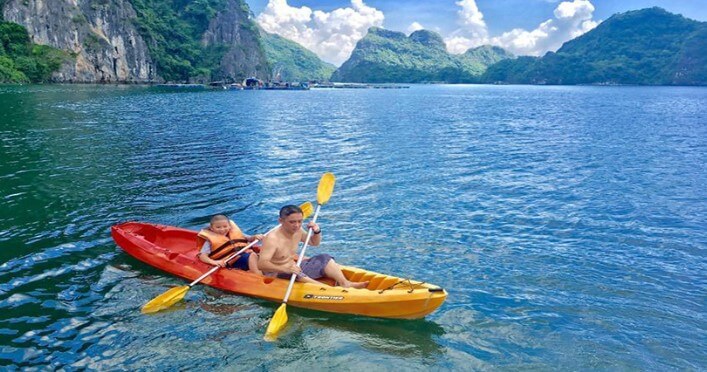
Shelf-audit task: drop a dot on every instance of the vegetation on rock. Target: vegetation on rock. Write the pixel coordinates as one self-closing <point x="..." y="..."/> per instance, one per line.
<point x="173" y="31"/>
<point x="385" y="56"/>
<point x="21" y="61"/>
<point x="290" y="61"/>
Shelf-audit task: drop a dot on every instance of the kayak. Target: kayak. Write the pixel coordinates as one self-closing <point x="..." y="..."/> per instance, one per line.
<point x="174" y="250"/>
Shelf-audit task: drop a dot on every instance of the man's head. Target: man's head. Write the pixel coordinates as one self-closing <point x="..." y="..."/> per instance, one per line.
<point x="219" y="224"/>
<point x="291" y="218"/>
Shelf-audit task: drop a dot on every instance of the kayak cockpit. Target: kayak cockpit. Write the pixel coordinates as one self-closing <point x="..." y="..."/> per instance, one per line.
<point x="174" y="239"/>
<point x="382" y="282"/>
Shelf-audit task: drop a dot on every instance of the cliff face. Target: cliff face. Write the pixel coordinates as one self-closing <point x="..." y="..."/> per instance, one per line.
<point x="100" y="33"/>
<point x="143" y="41"/>
<point x="244" y="55"/>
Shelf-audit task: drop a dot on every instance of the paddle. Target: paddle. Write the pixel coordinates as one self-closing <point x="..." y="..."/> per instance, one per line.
<point x="175" y="294"/>
<point x="278" y="321"/>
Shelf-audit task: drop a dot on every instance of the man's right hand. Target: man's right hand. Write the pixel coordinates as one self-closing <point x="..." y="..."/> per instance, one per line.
<point x="294" y="269"/>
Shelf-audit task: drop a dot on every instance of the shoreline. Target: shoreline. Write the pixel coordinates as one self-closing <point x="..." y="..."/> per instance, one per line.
<point x="348" y="85"/>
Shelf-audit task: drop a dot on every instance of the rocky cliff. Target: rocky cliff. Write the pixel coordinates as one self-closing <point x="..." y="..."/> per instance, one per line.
<point x="99" y="33"/>
<point x="237" y="36"/>
<point x="142" y="41"/>
<point x="243" y="56"/>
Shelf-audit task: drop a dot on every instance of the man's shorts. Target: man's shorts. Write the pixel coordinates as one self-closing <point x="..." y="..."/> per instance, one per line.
<point x="313" y="267"/>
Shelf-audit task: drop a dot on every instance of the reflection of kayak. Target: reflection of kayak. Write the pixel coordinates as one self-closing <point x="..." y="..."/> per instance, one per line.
<point x="403" y="338"/>
<point x="173" y="249"/>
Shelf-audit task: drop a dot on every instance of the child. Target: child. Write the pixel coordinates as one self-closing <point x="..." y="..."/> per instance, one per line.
<point x="221" y="239"/>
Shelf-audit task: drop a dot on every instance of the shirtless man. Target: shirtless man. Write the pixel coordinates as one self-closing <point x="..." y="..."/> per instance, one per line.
<point x="280" y="247"/>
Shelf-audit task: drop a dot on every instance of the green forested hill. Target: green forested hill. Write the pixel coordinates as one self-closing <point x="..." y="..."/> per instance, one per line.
<point x="292" y="62"/>
<point x="649" y="46"/>
<point x="691" y="62"/>
<point x="22" y="61"/>
<point x="392" y="57"/>
<point x="475" y="61"/>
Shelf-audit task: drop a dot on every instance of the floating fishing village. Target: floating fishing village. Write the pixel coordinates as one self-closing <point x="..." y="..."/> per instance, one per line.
<point x="258" y="84"/>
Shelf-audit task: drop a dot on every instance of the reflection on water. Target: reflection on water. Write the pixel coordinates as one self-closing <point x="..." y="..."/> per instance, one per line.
<point x="404" y="338"/>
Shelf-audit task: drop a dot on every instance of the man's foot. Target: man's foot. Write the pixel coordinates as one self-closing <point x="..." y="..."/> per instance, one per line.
<point x="354" y="284"/>
<point x="359" y="284"/>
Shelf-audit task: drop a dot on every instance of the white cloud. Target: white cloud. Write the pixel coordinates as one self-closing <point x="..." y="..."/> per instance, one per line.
<point x="473" y="31"/>
<point x="472" y="19"/>
<point x="572" y="19"/>
<point x="415" y="27"/>
<point x="331" y="35"/>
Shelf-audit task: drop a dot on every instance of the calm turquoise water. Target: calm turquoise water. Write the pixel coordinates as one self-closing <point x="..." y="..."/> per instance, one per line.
<point x="568" y="224"/>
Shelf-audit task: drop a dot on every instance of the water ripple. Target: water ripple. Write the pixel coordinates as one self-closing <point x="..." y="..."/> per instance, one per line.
<point x="567" y="223"/>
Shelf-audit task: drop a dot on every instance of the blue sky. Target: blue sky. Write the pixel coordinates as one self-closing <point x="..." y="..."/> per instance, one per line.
<point x="331" y="28"/>
<point x="501" y="15"/>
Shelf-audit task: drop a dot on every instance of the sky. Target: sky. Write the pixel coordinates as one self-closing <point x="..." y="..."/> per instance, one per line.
<point x="331" y="28"/>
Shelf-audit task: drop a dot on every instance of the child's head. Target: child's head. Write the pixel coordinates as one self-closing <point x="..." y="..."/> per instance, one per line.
<point x="219" y="224"/>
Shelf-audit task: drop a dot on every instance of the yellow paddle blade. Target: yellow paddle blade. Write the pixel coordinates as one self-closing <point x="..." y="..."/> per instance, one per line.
<point x="277" y="323"/>
<point x="165" y="300"/>
<point x="307" y="209"/>
<point x="326" y="187"/>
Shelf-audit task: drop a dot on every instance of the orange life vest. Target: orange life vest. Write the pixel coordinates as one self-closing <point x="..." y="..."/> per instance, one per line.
<point x="222" y="245"/>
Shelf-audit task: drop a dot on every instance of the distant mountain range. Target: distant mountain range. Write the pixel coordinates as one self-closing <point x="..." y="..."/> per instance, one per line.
<point x="384" y="56"/>
<point x="644" y="47"/>
<point x="149" y="41"/>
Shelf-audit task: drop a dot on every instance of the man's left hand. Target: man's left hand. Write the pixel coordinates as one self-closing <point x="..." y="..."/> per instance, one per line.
<point x="313" y="226"/>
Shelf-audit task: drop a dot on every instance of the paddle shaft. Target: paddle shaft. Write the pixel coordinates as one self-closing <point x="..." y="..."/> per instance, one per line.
<point x="301" y="256"/>
<point x="230" y="258"/>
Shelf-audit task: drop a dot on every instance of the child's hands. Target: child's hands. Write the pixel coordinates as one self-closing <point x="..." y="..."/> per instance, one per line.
<point x="257" y="237"/>
<point x="221" y="263"/>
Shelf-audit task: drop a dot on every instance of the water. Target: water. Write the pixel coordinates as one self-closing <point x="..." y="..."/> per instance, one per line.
<point x="568" y="224"/>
